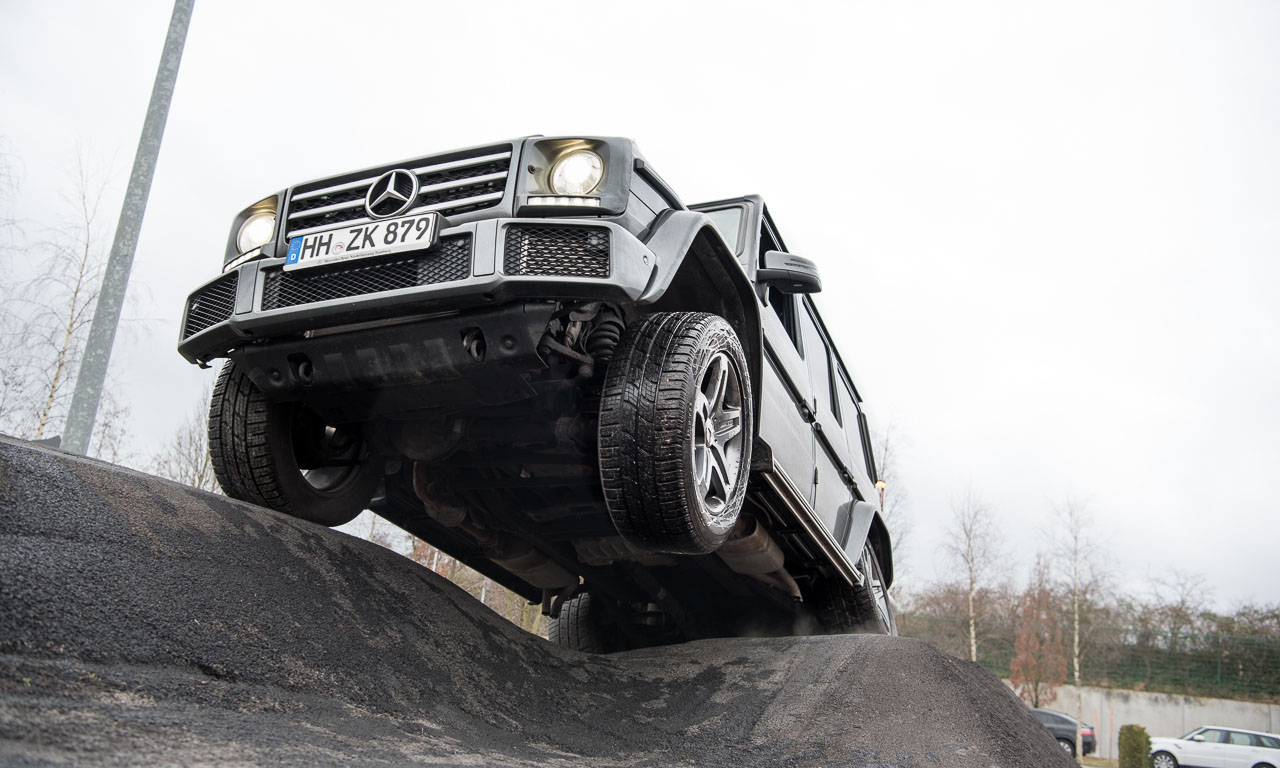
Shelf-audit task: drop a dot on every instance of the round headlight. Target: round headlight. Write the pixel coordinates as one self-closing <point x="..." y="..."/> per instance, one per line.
<point x="577" y="173"/>
<point x="255" y="231"/>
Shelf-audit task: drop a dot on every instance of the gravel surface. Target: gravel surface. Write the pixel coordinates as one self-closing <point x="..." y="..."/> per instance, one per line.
<point x="143" y="622"/>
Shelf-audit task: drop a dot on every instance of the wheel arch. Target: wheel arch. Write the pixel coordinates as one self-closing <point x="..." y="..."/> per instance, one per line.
<point x="883" y="546"/>
<point x="1163" y="751"/>
<point x="697" y="272"/>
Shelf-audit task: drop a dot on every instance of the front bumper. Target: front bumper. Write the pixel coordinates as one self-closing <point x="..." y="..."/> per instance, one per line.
<point x="476" y="265"/>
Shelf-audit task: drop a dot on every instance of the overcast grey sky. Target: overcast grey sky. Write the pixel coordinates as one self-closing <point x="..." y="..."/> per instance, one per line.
<point x="1048" y="231"/>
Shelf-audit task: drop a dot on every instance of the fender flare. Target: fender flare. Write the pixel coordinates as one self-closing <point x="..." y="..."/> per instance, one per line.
<point x="676" y="237"/>
<point x="866" y="524"/>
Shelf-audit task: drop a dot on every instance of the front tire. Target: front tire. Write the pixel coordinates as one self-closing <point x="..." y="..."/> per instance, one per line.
<point x="676" y="425"/>
<point x="1164" y="760"/>
<point x="284" y="457"/>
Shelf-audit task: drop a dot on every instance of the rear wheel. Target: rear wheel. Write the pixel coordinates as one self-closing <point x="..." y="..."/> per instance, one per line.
<point x="675" y="433"/>
<point x="581" y="626"/>
<point x="284" y="456"/>
<point x="865" y="608"/>
<point x="1067" y="747"/>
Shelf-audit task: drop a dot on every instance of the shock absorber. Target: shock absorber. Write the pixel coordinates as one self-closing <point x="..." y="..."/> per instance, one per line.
<point x="604" y="337"/>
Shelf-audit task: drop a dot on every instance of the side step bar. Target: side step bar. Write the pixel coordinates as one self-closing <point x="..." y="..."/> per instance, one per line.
<point x="782" y="486"/>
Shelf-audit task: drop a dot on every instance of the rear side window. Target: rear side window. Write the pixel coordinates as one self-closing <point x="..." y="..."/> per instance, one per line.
<point x="853" y="430"/>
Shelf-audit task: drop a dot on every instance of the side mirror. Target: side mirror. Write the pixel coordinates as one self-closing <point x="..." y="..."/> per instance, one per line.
<point x="1198" y="737"/>
<point x="788" y="273"/>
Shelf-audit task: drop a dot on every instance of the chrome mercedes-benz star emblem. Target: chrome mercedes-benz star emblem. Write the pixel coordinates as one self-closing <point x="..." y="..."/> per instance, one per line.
<point x="393" y="193"/>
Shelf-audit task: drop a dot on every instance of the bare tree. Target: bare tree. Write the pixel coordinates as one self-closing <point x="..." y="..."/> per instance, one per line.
<point x="185" y="458"/>
<point x="1181" y="598"/>
<point x="894" y="497"/>
<point x="974" y="545"/>
<point x="110" y="433"/>
<point x="1039" y="664"/>
<point x="1083" y="583"/>
<point x="45" y="318"/>
<point x="13" y="383"/>
<point x="62" y="299"/>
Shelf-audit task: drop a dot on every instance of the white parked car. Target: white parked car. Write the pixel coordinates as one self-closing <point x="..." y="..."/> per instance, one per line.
<point x="1216" y="747"/>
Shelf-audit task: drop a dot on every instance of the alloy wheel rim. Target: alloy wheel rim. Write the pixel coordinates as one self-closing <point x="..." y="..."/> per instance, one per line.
<point x="334" y="453"/>
<point x="718" y="440"/>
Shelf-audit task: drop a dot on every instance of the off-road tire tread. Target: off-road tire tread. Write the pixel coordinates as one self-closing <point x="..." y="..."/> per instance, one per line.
<point x="575" y="628"/>
<point x="241" y="424"/>
<point x="843" y="609"/>
<point x="643" y="429"/>
<point x="238" y="447"/>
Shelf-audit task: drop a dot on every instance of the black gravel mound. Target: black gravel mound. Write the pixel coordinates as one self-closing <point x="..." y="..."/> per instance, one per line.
<point x="143" y="622"/>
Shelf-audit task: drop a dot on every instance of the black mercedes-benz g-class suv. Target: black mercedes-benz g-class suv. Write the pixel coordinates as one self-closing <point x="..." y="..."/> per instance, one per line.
<point x="534" y="356"/>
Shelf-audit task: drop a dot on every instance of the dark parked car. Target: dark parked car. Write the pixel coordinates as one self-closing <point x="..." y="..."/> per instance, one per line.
<point x="1063" y="728"/>
<point x="534" y="356"/>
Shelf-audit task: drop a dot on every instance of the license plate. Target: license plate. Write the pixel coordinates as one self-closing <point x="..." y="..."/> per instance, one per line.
<point x="407" y="233"/>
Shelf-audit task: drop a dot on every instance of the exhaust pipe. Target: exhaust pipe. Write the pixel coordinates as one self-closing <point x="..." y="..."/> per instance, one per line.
<point x="752" y="552"/>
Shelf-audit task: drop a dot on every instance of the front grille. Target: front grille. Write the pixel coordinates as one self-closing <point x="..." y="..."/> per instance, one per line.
<point x="211" y="305"/>
<point x="455" y="183"/>
<point x="446" y="261"/>
<point x="556" y="250"/>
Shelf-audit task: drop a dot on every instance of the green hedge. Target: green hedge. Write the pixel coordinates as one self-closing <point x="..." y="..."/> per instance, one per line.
<point x="1135" y="747"/>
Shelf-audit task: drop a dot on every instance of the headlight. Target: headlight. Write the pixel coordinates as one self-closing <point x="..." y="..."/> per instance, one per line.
<point x="256" y="231"/>
<point x="577" y="173"/>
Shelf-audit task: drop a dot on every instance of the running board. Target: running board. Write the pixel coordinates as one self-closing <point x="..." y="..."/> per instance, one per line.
<point x="790" y="496"/>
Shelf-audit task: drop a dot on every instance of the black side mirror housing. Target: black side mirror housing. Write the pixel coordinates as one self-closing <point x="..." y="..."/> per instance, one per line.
<point x="788" y="273"/>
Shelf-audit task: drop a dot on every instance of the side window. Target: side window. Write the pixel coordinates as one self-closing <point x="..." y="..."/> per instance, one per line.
<point x="815" y="351"/>
<point x="784" y="305"/>
<point x="1243" y="739"/>
<point x="852" y="424"/>
<point x="767" y="240"/>
<point x="728" y="221"/>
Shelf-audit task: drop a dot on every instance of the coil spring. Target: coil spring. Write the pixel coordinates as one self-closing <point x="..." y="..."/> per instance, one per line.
<point x="604" y="338"/>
